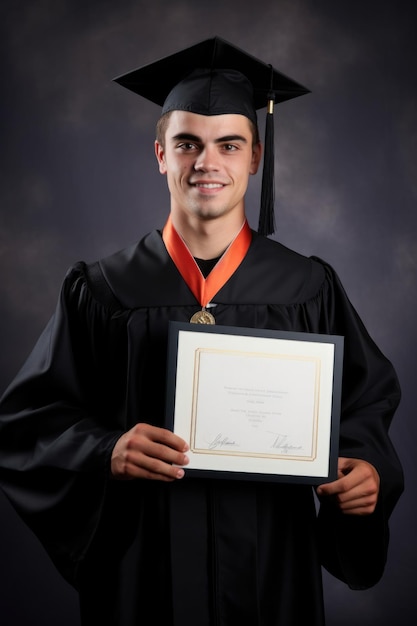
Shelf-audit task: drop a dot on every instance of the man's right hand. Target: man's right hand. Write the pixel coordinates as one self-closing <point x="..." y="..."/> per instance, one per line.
<point x="150" y="452"/>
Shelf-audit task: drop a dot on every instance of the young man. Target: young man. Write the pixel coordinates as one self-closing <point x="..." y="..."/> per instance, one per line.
<point x="86" y="459"/>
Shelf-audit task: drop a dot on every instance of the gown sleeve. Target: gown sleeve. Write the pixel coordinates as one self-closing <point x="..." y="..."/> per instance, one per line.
<point x="55" y="440"/>
<point x="354" y="548"/>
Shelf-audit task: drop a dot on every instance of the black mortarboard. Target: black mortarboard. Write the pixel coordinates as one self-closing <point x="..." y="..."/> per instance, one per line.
<point x="214" y="77"/>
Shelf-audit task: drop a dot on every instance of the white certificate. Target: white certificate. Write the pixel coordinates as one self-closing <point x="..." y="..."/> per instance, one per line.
<point x="255" y="406"/>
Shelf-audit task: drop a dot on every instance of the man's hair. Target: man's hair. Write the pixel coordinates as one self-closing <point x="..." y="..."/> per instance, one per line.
<point x="162" y="125"/>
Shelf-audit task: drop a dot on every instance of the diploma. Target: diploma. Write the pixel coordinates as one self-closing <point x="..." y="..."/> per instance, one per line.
<point x="255" y="404"/>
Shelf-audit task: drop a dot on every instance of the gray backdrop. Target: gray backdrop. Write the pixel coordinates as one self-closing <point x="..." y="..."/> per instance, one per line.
<point x="79" y="180"/>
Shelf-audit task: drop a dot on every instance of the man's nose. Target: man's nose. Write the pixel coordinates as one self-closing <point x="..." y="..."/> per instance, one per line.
<point x="207" y="160"/>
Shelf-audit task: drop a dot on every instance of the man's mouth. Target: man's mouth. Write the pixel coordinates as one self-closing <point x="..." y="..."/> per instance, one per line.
<point x="208" y="185"/>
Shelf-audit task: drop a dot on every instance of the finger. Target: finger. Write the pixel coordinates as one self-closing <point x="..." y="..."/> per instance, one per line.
<point x="169" y="439"/>
<point x="332" y="488"/>
<point x="359" y="506"/>
<point x="149" y="468"/>
<point x="161" y="435"/>
<point x="349" y="488"/>
<point x="157" y="451"/>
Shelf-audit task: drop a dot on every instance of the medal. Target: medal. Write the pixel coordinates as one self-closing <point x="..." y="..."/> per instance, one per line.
<point x="202" y="317"/>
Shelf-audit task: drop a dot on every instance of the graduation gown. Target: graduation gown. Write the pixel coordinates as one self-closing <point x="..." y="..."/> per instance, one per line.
<point x="196" y="551"/>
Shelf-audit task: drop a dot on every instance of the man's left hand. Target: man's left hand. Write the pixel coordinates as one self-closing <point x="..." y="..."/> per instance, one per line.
<point x="356" y="489"/>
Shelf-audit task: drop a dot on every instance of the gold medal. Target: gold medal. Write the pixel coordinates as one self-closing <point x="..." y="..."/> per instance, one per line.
<point x="202" y="317"/>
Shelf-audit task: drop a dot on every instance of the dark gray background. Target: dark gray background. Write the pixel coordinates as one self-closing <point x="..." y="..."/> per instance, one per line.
<point x="79" y="180"/>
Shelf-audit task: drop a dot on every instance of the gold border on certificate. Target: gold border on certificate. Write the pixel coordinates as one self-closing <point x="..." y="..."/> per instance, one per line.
<point x="255" y="404"/>
<point x="210" y="448"/>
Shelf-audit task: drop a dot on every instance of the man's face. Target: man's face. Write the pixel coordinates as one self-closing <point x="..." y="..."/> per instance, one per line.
<point x="207" y="160"/>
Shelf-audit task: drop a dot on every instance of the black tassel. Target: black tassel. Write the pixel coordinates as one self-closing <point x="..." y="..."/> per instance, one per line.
<point x="267" y="215"/>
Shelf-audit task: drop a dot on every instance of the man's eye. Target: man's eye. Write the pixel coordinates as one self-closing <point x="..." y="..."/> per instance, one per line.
<point x="229" y="147"/>
<point x="187" y="146"/>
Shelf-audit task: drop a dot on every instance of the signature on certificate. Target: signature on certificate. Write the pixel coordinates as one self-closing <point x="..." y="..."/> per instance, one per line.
<point x="282" y="443"/>
<point x="221" y="441"/>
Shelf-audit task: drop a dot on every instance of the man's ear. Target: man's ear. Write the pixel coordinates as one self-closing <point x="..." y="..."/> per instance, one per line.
<point x="160" y="157"/>
<point x="256" y="157"/>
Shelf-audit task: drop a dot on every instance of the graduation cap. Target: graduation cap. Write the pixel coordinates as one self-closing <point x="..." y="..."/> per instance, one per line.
<point x="214" y="77"/>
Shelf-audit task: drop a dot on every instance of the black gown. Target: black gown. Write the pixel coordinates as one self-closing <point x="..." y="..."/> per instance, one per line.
<point x="206" y="552"/>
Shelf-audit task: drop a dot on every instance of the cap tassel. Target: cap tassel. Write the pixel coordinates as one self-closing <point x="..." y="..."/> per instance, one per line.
<point x="267" y="215"/>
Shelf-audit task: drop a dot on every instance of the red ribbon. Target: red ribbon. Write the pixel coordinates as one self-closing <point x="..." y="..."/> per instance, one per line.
<point x="205" y="288"/>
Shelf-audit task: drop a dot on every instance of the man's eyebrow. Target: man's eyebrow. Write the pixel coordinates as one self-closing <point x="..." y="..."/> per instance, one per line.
<point x="230" y="138"/>
<point x="186" y="137"/>
<point x="196" y="139"/>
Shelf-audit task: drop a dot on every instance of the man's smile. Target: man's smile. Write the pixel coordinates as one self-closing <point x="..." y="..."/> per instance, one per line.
<point x="208" y="185"/>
